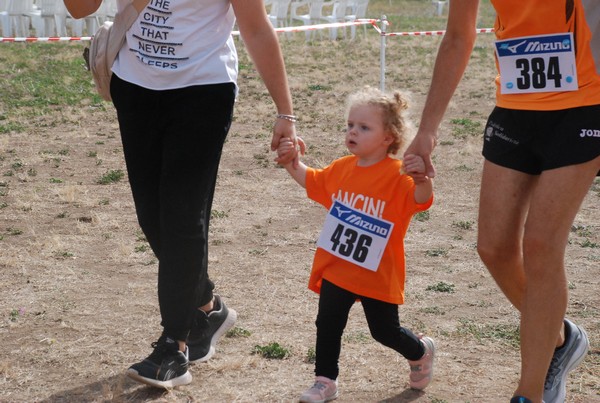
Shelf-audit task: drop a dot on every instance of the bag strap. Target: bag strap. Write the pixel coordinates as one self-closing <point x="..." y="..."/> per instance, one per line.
<point x="130" y="13"/>
<point x="123" y="20"/>
<point x="140" y="4"/>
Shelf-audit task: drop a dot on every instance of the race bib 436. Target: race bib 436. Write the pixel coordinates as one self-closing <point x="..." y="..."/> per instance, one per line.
<point x="355" y="236"/>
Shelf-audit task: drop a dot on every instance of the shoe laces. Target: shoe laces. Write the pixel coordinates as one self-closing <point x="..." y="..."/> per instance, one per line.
<point x="416" y="367"/>
<point x="160" y="348"/>
<point x="319" y="386"/>
<point x="200" y="324"/>
<point x="553" y="370"/>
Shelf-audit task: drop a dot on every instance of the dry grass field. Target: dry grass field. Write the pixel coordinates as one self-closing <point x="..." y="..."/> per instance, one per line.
<point x="78" y="281"/>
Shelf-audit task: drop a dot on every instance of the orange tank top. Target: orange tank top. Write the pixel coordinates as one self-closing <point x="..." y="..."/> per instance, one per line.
<point x="518" y="18"/>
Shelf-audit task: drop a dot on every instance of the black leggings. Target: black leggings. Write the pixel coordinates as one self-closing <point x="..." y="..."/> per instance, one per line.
<point x="382" y="318"/>
<point x="172" y="141"/>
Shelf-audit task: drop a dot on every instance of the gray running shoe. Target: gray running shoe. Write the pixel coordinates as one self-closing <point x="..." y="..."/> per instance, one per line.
<point x="565" y="359"/>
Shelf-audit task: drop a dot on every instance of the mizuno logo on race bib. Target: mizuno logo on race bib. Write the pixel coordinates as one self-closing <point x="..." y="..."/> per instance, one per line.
<point x="363" y="221"/>
<point x="537" y="44"/>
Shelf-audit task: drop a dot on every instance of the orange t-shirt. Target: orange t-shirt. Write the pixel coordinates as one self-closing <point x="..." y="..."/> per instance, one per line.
<point x="379" y="190"/>
<point x="517" y="18"/>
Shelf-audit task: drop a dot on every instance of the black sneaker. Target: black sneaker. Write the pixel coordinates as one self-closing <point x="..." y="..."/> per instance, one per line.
<point x="166" y="367"/>
<point x="208" y="329"/>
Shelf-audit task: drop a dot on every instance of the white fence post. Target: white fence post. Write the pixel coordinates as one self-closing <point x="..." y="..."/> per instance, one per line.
<point x="382" y="54"/>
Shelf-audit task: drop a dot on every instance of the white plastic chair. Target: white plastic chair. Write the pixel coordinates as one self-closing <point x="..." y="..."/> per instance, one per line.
<point x="91" y="23"/>
<point x="278" y="13"/>
<point x="338" y="14"/>
<point x="439" y="5"/>
<point x="4" y="18"/>
<point x="53" y="15"/>
<point x="359" y="10"/>
<point x="315" y="13"/>
<point x="111" y="9"/>
<point x="17" y="14"/>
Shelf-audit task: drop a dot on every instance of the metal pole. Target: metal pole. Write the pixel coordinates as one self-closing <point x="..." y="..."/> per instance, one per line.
<point x="382" y="54"/>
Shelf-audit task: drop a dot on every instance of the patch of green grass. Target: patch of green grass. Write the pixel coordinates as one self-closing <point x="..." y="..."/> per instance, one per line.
<point x="596" y="187"/>
<point x="466" y="225"/>
<point x="14" y="231"/>
<point x="437" y="252"/>
<point x="35" y="77"/>
<point x="257" y="252"/>
<point x="442" y="287"/>
<point x="219" y="214"/>
<point x="465" y="127"/>
<point x="262" y="160"/>
<point x="238" y="332"/>
<point x="271" y="351"/>
<point x="112" y="176"/>
<point x="14" y="314"/>
<point x="311" y="356"/>
<point x="506" y="334"/>
<point x="320" y="87"/>
<point x="422" y="216"/>
<point x="357" y="337"/>
<point x="581" y="230"/>
<point x="141" y="248"/>
<point x="589" y="244"/>
<point x="463" y="168"/>
<point x="10" y="127"/>
<point x="434" y="310"/>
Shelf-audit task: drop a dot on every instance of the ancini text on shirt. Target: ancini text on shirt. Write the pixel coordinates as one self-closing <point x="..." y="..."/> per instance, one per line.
<point x="360" y="202"/>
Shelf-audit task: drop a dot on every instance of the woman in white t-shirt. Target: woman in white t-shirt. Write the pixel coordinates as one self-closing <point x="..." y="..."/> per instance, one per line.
<point x="174" y="87"/>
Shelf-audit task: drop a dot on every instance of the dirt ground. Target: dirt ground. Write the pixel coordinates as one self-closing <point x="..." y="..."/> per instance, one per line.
<point x="78" y="282"/>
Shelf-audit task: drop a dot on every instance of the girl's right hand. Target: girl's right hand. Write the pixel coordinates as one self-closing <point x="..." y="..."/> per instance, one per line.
<point x="286" y="150"/>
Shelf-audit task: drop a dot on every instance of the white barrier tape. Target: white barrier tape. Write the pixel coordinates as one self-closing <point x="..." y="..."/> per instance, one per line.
<point x="281" y="29"/>
<point x="426" y="33"/>
<point x="47" y="39"/>
<point x="302" y="28"/>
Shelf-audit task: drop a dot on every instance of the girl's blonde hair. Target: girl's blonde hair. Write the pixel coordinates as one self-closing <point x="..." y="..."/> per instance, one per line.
<point x="391" y="106"/>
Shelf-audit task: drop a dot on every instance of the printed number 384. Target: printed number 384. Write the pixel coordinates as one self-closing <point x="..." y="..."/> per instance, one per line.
<point x="535" y="73"/>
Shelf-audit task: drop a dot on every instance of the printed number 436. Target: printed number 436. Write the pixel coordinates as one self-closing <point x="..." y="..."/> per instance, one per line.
<point x="350" y="243"/>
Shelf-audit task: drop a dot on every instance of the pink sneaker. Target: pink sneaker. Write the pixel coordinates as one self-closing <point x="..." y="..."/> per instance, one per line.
<point x="324" y="390"/>
<point x="421" y="371"/>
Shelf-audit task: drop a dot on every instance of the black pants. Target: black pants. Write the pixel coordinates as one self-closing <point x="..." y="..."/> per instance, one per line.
<point x="172" y="142"/>
<point x="382" y="318"/>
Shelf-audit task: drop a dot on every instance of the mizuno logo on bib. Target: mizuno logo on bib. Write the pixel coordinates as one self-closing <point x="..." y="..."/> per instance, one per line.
<point x="543" y="63"/>
<point x="355" y="236"/>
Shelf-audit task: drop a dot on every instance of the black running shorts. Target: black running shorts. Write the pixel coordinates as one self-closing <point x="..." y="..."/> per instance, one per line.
<point x="536" y="141"/>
